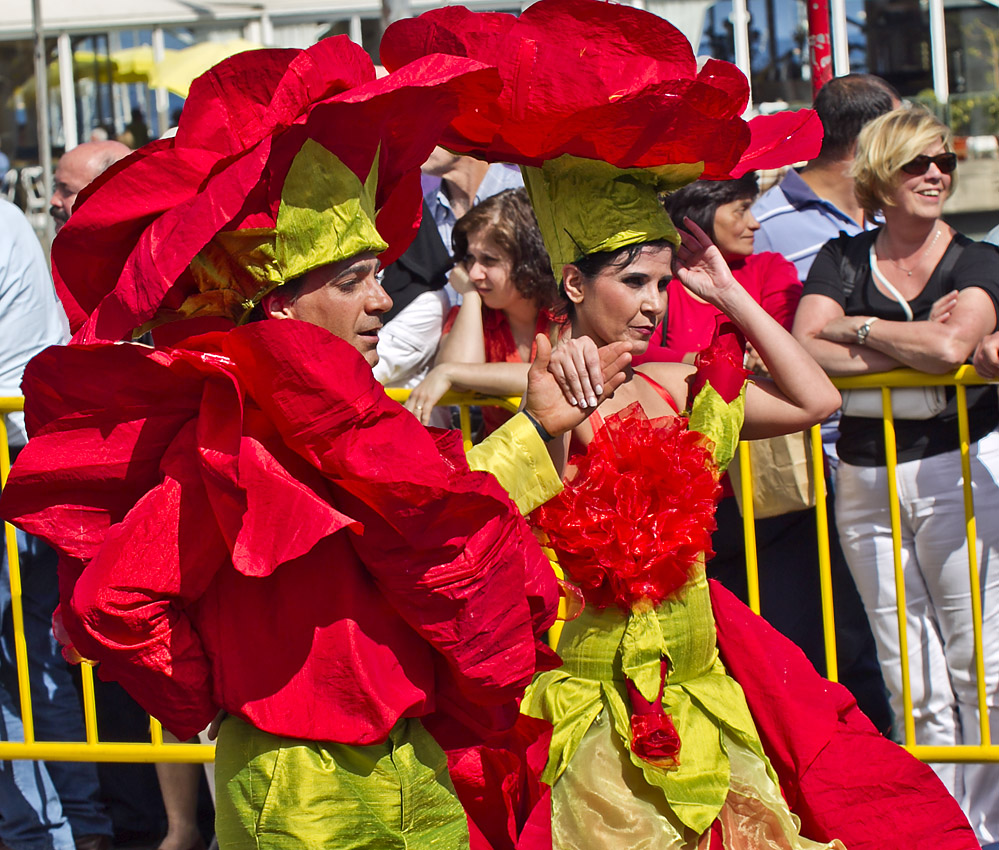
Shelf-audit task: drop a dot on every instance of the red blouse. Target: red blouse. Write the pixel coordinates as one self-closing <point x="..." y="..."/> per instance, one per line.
<point x="689" y="325"/>
<point x="501" y="348"/>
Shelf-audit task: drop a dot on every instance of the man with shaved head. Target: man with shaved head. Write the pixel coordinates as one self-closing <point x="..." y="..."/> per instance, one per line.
<point x="77" y="168"/>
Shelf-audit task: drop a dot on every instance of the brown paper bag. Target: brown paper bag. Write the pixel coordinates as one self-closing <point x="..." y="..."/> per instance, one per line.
<point x="783" y="479"/>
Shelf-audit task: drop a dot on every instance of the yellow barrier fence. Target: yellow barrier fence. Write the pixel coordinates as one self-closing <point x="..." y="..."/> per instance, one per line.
<point x="157" y="751"/>
<point x="962" y="378"/>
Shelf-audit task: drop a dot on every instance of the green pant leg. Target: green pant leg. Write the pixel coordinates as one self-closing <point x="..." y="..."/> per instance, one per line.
<point x="284" y="793"/>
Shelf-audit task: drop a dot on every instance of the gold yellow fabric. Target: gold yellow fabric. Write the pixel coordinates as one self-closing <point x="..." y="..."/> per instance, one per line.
<point x="519" y="459"/>
<point x="326" y="215"/>
<point x="585" y="206"/>
<point x="720" y="421"/>
<point x="278" y="793"/>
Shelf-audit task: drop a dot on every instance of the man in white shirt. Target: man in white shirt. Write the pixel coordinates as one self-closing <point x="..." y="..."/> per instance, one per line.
<point x="50" y="805"/>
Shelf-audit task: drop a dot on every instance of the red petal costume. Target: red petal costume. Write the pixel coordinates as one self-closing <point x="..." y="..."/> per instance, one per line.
<point x="206" y="502"/>
<point x="245" y="521"/>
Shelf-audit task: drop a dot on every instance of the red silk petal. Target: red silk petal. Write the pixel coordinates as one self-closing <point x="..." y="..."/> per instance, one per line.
<point x="720" y="364"/>
<point x="124" y="254"/>
<point x="597" y="80"/>
<point x="780" y="139"/>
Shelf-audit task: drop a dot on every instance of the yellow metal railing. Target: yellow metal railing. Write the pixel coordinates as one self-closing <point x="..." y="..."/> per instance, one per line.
<point x="157" y="751"/>
<point x="965" y="376"/>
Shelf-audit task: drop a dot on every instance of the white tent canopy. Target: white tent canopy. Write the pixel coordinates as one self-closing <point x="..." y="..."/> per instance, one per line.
<point x="100" y="16"/>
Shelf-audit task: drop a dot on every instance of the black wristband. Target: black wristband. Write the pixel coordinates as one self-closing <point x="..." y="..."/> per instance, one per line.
<point x="539" y="428"/>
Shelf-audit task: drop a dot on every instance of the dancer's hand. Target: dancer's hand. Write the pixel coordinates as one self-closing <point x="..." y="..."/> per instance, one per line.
<point x="700" y="266"/>
<point x="567" y="385"/>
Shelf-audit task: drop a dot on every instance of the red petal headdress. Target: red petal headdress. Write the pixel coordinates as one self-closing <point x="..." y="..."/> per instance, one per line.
<point x="125" y="256"/>
<point x="601" y="81"/>
<point x="587" y="82"/>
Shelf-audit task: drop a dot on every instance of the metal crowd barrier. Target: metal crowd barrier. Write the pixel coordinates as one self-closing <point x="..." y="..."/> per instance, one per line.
<point x="157" y="751"/>
<point x="963" y="377"/>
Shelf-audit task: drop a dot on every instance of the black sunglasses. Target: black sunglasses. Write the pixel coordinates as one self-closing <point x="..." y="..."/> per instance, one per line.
<point x="946" y="162"/>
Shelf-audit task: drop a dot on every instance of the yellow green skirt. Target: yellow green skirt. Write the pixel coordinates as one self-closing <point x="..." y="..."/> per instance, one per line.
<point x="605" y="796"/>
<point x="277" y="793"/>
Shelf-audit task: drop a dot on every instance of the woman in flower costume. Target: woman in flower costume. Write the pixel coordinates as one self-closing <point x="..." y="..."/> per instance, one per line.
<point x="645" y="718"/>
<point x="653" y="743"/>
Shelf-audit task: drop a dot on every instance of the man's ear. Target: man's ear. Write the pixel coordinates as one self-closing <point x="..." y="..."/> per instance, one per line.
<point x="572" y="283"/>
<point x="278" y="305"/>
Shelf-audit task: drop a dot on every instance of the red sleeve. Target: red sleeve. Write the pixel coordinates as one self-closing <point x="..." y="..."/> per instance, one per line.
<point x="837" y="773"/>
<point x="450" y="319"/>
<point x="779" y="287"/>
<point x="446" y="545"/>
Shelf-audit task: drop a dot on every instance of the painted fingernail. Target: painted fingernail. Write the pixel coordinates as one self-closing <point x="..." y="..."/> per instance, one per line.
<point x="599" y="390"/>
<point x="593" y="402"/>
<point x="573" y="402"/>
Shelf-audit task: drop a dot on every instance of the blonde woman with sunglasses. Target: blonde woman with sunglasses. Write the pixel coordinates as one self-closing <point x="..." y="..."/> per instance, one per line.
<point x="915" y="293"/>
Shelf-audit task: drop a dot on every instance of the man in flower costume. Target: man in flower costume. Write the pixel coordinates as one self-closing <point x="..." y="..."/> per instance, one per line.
<point x="654" y="744"/>
<point x="245" y="521"/>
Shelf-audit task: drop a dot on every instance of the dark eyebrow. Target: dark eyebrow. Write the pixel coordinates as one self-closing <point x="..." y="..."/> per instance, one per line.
<point x="355" y="268"/>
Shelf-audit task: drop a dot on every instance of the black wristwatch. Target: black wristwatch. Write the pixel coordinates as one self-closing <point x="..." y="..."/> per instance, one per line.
<point x="542" y="432"/>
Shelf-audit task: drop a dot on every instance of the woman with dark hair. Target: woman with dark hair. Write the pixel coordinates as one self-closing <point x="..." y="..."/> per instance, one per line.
<point x="508" y="298"/>
<point x="721" y="208"/>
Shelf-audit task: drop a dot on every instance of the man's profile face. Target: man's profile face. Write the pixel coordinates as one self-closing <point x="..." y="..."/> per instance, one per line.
<point x="345" y="298"/>
<point x="71" y="175"/>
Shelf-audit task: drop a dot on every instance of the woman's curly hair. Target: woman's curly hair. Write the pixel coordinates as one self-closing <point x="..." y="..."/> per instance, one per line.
<point x="508" y="219"/>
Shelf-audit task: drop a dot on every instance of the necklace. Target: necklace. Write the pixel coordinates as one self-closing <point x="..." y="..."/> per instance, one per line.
<point x="919" y="257"/>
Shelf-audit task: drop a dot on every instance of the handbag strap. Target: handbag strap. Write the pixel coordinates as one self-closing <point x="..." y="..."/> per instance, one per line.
<point x="851" y="258"/>
<point x="872" y="254"/>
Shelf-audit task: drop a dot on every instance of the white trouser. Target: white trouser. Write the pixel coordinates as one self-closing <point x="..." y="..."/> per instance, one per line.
<point x="939" y="628"/>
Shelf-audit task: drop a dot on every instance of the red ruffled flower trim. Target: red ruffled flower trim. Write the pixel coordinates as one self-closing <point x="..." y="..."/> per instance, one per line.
<point x="638" y="512"/>
<point x="655" y="739"/>
<point x="653" y="736"/>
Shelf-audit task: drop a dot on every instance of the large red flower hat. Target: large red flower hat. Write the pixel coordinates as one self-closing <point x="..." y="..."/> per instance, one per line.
<point x="217" y="190"/>
<point x="601" y="81"/>
<point x="605" y="108"/>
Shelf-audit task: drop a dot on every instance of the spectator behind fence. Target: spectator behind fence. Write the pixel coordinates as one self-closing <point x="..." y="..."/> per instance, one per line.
<point x="52" y="805"/>
<point x="916" y="294"/>
<point x="786" y="545"/>
<point x="815" y="204"/>
<point x="411" y="329"/>
<point x="464" y="182"/>
<point x="509" y="297"/>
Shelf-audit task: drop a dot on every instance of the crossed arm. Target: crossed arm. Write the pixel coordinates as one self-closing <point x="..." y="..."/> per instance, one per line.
<point x="937" y="345"/>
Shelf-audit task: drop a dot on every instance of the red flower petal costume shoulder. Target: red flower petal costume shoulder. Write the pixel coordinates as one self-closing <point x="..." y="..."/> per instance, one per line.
<point x="193" y="494"/>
